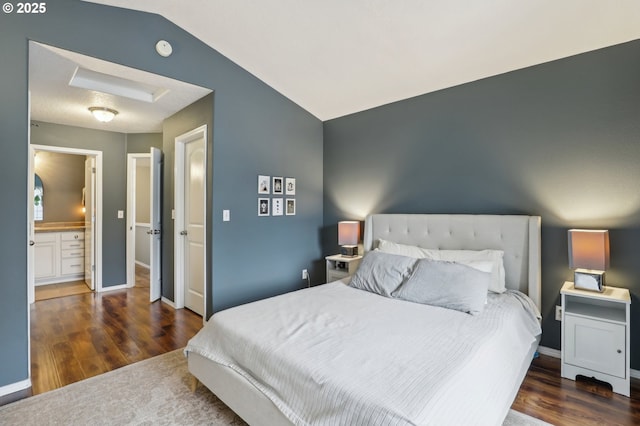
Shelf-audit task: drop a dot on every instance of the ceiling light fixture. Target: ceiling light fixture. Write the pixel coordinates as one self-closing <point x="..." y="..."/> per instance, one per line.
<point x="103" y="114"/>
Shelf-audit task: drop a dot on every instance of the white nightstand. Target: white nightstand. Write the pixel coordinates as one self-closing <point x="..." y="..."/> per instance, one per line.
<point x="595" y="335"/>
<point x="339" y="266"/>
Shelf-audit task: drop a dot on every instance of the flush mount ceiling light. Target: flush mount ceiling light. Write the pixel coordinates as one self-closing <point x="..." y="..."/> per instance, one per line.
<point x="103" y="114"/>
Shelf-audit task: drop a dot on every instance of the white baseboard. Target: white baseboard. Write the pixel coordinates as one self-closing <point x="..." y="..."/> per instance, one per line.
<point x="15" y="387"/>
<point x="114" y="287"/>
<point x="168" y="302"/>
<point x="144" y="265"/>
<point x="550" y="352"/>
<point x="557" y="354"/>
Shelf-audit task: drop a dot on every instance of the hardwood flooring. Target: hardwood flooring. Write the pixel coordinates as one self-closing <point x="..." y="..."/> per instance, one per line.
<point x="80" y="336"/>
<point x="547" y="396"/>
<point x="50" y="291"/>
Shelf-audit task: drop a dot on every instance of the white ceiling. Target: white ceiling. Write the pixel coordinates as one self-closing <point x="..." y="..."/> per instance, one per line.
<point x="336" y="57"/>
<point x="54" y="101"/>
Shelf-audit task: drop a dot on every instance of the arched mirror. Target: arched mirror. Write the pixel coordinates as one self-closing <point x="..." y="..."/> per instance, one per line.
<point x="38" y="194"/>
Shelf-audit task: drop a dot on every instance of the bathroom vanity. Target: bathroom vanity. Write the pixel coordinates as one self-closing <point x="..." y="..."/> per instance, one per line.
<point x="59" y="254"/>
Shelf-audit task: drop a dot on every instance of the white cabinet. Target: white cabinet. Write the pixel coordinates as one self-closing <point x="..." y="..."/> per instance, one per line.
<point x="59" y="257"/>
<point x="45" y="252"/>
<point x="339" y="266"/>
<point x="595" y="335"/>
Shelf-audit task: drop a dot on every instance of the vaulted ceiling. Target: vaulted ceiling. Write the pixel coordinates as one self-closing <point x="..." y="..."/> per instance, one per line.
<point x="336" y="57"/>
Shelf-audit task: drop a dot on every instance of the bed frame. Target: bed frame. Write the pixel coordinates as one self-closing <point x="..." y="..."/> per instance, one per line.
<point x="518" y="236"/>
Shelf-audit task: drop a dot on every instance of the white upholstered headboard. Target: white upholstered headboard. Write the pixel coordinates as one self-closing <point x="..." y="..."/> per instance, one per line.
<point x="518" y="236"/>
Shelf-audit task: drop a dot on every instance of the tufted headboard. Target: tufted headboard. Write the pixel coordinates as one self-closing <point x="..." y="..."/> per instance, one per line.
<point x="518" y="236"/>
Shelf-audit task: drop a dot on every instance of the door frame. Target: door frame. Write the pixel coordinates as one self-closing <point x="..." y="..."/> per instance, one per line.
<point x="98" y="223"/>
<point x="132" y="161"/>
<point x="179" y="181"/>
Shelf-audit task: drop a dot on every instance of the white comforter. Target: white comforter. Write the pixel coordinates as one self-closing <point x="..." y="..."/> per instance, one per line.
<point x="333" y="355"/>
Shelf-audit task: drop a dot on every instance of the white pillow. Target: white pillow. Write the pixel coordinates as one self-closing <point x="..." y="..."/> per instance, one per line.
<point x="475" y="258"/>
<point x="404" y="249"/>
<point x="382" y="273"/>
<point x="450" y="285"/>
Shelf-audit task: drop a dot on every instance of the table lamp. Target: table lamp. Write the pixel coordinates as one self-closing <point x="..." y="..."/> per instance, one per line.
<point x="589" y="256"/>
<point x="348" y="236"/>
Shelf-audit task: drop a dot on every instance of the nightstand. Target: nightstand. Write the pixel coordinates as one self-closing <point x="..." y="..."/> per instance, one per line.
<point x="339" y="266"/>
<point x="595" y="335"/>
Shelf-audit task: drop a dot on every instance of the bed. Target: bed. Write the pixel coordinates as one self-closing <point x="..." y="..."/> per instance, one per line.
<point x="334" y="354"/>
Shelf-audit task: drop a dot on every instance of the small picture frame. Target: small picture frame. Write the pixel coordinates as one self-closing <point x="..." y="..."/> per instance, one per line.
<point x="263" y="206"/>
<point x="264" y="184"/>
<point x="290" y="209"/>
<point x="278" y="207"/>
<point x="278" y="185"/>
<point x="290" y="186"/>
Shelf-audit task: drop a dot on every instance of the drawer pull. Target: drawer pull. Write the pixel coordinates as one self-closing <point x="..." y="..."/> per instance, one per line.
<point x="75" y="266"/>
<point x="619" y="351"/>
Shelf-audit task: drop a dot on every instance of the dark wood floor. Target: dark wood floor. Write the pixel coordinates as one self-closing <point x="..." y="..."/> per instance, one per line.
<point x="80" y="336"/>
<point x="547" y="396"/>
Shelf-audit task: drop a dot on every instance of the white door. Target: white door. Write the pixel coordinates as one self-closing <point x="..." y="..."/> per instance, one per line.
<point x="193" y="232"/>
<point x="194" y="196"/>
<point x="155" y="230"/>
<point x="31" y="236"/>
<point x="89" y="221"/>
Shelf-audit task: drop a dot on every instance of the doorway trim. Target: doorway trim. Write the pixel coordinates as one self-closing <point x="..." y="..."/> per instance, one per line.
<point x="98" y="223"/>
<point x="132" y="162"/>
<point x="179" y="205"/>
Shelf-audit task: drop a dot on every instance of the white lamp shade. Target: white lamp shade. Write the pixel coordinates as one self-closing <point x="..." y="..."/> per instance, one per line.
<point x="348" y="232"/>
<point x="589" y="249"/>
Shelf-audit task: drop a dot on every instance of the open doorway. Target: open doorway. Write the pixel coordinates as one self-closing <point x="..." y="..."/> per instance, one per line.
<point x="65" y="222"/>
<point x="144" y="225"/>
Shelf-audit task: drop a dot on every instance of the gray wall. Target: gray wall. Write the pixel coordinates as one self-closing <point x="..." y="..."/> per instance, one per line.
<point x="114" y="187"/>
<point x="141" y="143"/>
<point x="256" y="131"/>
<point x="560" y="140"/>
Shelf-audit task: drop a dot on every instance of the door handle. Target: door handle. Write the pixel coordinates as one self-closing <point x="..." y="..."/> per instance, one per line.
<point x="153" y="231"/>
<point x="183" y="232"/>
<point x="32" y="243"/>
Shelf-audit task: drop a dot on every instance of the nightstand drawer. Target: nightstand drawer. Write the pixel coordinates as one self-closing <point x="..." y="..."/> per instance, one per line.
<point x="595" y="344"/>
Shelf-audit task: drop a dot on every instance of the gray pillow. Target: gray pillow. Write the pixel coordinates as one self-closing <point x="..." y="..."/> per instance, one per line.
<point x="382" y="273"/>
<point x="446" y="284"/>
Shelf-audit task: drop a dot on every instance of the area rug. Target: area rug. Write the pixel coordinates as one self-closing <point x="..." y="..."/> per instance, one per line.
<point x="151" y="392"/>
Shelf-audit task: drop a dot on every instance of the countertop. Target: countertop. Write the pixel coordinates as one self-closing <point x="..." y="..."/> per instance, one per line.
<point x="59" y="226"/>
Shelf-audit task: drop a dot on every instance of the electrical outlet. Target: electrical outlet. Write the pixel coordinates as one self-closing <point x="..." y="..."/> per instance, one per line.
<point x="305" y="274"/>
<point x="558" y="313"/>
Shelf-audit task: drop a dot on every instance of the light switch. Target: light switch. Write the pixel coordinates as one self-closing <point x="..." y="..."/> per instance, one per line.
<point x="226" y="217"/>
<point x="173" y="214"/>
<point x="120" y="214"/>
